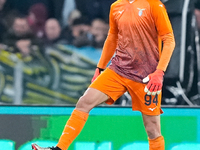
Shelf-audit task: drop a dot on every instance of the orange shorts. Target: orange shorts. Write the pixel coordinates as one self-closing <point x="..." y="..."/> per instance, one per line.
<point x="115" y="86"/>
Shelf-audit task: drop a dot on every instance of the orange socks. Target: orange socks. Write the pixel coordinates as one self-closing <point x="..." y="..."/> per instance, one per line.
<point x="157" y="144"/>
<point x="76" y="123"/>
<point x="72" y="128"/>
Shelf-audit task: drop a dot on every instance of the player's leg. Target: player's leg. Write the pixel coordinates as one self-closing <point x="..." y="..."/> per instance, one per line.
<point x="150" y="107"/>
<point x="96" y="94"/>
<point x="78" y="118"/>
<point x="107" y="84"/>
<point x="152" y="127"/>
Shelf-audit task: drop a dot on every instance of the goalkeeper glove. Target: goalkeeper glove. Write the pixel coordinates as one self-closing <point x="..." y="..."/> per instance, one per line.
<point x="155" y="82"/>
<point x="97" y="73"/>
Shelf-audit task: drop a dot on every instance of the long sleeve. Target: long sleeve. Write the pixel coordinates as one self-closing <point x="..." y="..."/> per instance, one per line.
<point x="168" y="48"/>
<point x="110" y="42"/>
<point x="108" y="50"/>
<point x="165" y="32"/>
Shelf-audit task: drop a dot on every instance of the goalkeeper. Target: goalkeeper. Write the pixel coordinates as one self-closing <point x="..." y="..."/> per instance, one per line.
<point x="142" y="39"/>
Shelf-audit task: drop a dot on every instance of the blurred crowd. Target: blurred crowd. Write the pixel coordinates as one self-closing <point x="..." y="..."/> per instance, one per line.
<point x="29" y="27"/>
<point x="30" y="23"/>
<point x="25" y="24"/>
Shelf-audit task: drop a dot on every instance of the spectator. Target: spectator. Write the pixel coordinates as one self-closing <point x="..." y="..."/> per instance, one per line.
<point x="20" y="37"/>
<point x="52" y="31"/>
<point x="36" y="18"/>
<point x="99" y="30"/>
<point x="81" y="32"/>
<point x="78" y="33"/>
<point x="75" y="14"/>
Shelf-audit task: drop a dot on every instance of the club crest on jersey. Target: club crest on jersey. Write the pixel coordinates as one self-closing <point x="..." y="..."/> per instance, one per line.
<point x="140" y="11"/>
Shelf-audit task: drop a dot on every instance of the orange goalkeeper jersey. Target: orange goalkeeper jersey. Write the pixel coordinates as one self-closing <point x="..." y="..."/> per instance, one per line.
<point x="138" y="26"/>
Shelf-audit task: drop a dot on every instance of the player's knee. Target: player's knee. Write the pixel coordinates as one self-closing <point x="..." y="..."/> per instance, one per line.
<point x="85" y="104"/>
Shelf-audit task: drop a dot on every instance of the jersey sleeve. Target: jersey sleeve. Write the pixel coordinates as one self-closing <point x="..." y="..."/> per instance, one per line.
<point x="110" y="42"/>
<point x="161" y="18"/>
<point x="168" y="48"/>
<point x="112" y="23"/>
<point x="165" y="32"/>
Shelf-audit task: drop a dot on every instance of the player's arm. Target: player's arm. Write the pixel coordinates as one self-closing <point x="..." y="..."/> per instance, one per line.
<point x="107" y="53"/>
<point x="108" y="50"/>
<point x="109" y="47"/>
<point x="165" y="32"/>
<point x="168" y="47"/>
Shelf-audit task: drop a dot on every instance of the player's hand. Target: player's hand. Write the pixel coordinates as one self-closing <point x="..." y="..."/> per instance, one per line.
<point x="97" y="73"/>
<point x="155" y="82"/>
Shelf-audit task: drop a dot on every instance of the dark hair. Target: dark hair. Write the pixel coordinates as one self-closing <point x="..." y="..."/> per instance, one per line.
<point x="17" y="15"/>
<point x="81" y="20"/>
